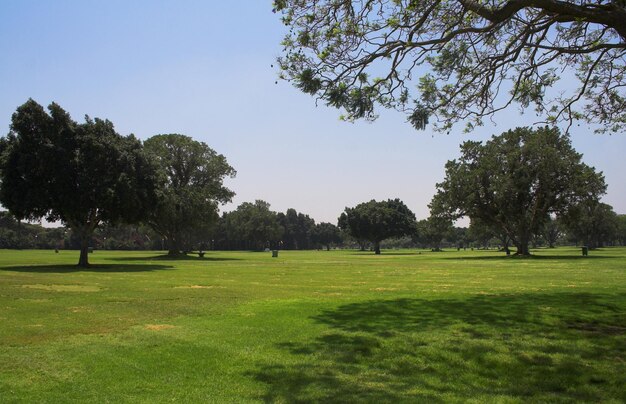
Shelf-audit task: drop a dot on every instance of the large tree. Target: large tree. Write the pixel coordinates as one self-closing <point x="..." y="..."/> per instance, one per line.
<point x="376" y="221"/>
<point x="515" y="181"/>
<point x="80" y="174"/>
<point x="191" y="177"/>
<point x="253" y="226"/>
<point x="460" y="60"/>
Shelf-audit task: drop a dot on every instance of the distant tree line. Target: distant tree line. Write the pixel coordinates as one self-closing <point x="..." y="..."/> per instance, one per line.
<point x="523" y="188"/>
<point x="608" y="229"/>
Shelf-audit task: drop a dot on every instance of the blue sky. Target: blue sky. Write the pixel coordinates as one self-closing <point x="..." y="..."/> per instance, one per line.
<point x="204" y="69"/>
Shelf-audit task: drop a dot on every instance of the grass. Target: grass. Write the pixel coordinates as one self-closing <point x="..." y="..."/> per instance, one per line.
<point x="338" y="326"/>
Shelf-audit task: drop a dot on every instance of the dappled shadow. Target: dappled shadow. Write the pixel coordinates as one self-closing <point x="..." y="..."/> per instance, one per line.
<point x="530" y="257"/>
<point x="527" y="347"/>
<point x="92" y="268"/>
<point x="387" y="252"/>
<point x="503" y="311"/>
<point x="166" y="257"/>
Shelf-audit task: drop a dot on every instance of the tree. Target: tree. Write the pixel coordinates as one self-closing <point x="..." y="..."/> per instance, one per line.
<point x="515" y="181"/>
<point x="326" y="234"/>
<point x="484" y="233"/>
<point x="376" y="221"/>
<point x="433" y="230"/>
<point x="81" y="174"/>
<point x="253" y="225"/>
<point x="552" y="232"/>
<point x="190" y="179"/>
<point x="467" y="59"/>
<point x="591" y="222"/>
<point x="621" y="232"/>
<point x="298" y="228"/>
<point x="480" y="234"/>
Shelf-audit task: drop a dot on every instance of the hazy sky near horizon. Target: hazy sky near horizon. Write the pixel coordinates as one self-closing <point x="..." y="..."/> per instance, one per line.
<point x="204" y="69"/>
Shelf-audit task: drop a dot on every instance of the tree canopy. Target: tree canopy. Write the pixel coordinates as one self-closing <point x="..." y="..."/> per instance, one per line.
<point x="514" y="181"/>
<point x="326" y="234"/>
<point x="376" y="221"/>
<point x="253" y="226"/>
<point x="460" y="60"/>
<point x="431" y="232"/>
<point x="591" y="223"/>
<point x="81" y="174"/>
<point x="298" y="228"/>
<point x="190" y="179"/>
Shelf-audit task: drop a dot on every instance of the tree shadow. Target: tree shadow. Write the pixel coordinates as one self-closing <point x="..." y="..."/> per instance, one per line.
<point x="166" y="257"/>
<point x="504" y="257"/>
<point x="528" y="347"/>
<point x="92" y="268"/>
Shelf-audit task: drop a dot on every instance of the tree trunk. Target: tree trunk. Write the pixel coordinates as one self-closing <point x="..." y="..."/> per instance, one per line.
<point x="328" y="247"/>
<point x="522" y="247"/>
<point x="83" y="261"/>
<point x="376" y="247"/>
<point x="173" y="246"/>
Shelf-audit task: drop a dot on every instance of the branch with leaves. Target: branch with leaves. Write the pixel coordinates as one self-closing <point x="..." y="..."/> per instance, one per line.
<point x="450" y="61"/>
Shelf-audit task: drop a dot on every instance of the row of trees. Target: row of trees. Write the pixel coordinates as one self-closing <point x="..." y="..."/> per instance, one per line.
<point x="254" y="226"/>
<point x="515" y="187"/>
<point x="604" y="228"/>
<point x="87" y="175"/>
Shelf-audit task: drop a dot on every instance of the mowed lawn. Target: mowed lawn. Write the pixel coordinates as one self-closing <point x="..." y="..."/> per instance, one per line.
<point x="317" y="326"/>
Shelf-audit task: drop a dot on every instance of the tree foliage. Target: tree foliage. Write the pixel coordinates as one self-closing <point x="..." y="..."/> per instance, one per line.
<point x="253" y="226"/>
<point x="298" y="228"/>
<point x="460" y="60"/>
<point x="190" y="179"/>
<point x="81" y="174"/>
<point x="515" y="181"/>
<point x="432" y="231"/>
<point x="621" y="229"/>
<point x="592" y="223"/>
<point x="376" y="221"/>
<point x="326" y="234"/>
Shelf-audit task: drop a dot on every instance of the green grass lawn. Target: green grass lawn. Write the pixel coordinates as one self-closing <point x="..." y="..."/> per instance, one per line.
<point x="338" y="326"/>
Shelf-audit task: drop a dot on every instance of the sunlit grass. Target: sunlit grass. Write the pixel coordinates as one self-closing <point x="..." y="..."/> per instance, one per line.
<point x="321" y="326"/>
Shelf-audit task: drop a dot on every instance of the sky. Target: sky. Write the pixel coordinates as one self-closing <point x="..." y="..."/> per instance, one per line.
<point x="205" y="69"/>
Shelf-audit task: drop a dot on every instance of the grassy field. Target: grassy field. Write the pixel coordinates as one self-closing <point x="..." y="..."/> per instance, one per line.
<point x="338" y="326"/>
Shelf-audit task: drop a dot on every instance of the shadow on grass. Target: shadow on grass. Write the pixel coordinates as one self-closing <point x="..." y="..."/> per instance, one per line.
<point x="530" y="257"/>
<point x="387" y="253"/>
<point x="560" y="347"/>
<point x="166" y="257"/>
<point x="92" y="268"/>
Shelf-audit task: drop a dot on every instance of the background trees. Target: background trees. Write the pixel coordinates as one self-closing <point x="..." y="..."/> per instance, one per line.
<point x="592" y="223"/>
<point x="515" y="181"/>
<point x="297" y="229"/>
<point x="81" y="174"/>
<point x="326" y="234"/>
<point x="253" y="226"/>
<point x="467" y="59"/>
<point x="431" y="232"/>
<point x="375" y="221"/>
<point x="190" y="189"/>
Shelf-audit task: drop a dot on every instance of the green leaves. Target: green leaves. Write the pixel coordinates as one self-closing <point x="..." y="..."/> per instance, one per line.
<point x="191" y="176"/>
<point x="513" y="182"/>
<point x="376" y="221"/>
<point x="474" y="53"/>
<point x="82" y="174"/>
